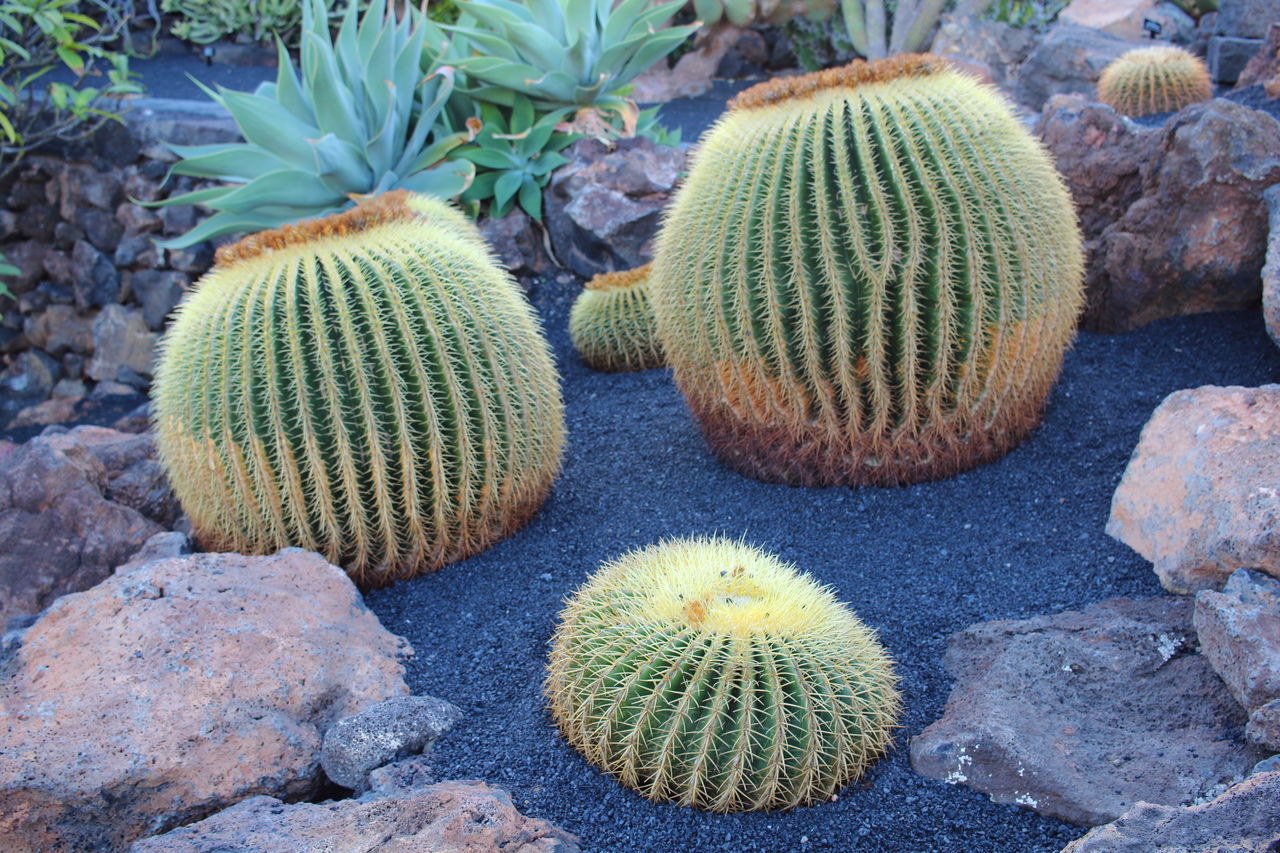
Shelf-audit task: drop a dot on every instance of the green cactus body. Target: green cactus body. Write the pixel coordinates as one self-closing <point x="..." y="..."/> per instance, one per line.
<point x="1152" y="80"/>
<point x="870" y="276"/>
<point x="611" y="323"/>
<point x="709" y="673"/>
<point x="369" y="385"/>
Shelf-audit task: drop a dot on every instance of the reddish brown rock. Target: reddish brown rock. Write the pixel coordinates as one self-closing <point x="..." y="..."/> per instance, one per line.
<point x="1199" y="498"/>
<point x="517" y="241"/>
<point x="1245" y="819"/>
<point x="1196" y="238"/>
<point x="1239" y="632"/>
<point x="449" y="817"/>
<point x="178" y="688"/>
<point x="60" y="329"/>
<point x="1083" y="714"/>
<point x="1265" y="65"/>
<point x="59" y="532"/>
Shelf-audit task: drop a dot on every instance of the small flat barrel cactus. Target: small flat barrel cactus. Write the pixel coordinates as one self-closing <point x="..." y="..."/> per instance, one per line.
<point x="1152" y="80"/>
<point x="870" y="276"/>
<point x="706" y="672"/>
<point x="369" y="385"/>
<point x="611" y="324"/>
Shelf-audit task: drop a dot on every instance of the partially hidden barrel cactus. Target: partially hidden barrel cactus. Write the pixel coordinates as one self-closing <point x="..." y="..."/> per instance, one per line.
<point x="709" y="673"/>
<point x="369" y="385"/>
<point x="611" y="323"/>
<point x="1151" y="80"/>
<point x="870" y="276"/>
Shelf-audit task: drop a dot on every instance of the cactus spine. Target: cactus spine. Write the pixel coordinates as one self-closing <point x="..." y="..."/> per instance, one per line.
<point x="709" y="673"/>
<point x="870" y="276"/>
<point x="611" y="323"/>
<point x="1152" y="80"/>
<point x="369" y="385"/>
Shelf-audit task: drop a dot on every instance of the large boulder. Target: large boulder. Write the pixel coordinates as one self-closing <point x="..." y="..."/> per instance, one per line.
<point x="1263" y="66"/>
<point x="1069" y="59"/>
<point x="1127" y="19"/>
<point x="1196" y="238"/>
<point x="178" y="688"/>
<point x="449" y="817"/>
<point x="1271" y="268"/>
<point x="996" y="49"/>
<point x="1199" y="497"/>
<point x="73" y="507"/>
<point x="1247" y="18"/>
<point x="605" y="205"/>
<point x="1244" y="819"/>
<point x="1083" y="714"/>
<point x="1239" y="632"/>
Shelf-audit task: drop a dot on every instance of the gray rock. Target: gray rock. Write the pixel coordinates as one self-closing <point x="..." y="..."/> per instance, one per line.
<point x="1069" y="59"/>
<point x="121" y="338"/>
<point x="1245" y="819"/>
<point x="60" y="329"/>
<point x="604" y="207"/>
<point x="449" y="817"/>
<point x="1228" y="56"/>
<point x="380" y="734"/>
<point x="93" y="277"/>
<point x="1247" y="18"/>
<point x="517" y="241"/>
<point x="1083" y="714"/>
<point x="159" y="292"/>
<point x="1271" y="268"/>
<point x="401" y="776"/>
<point x="1239" y="632"/>
<point x="100" y="228"/>
<point x="999" y="47"/>
<point x="162" y="546"/>
<point x="28" y="380"/>
<point x="81" y="185"/>
<point x="1264" y="725"/>
<point x="29" y="256"/>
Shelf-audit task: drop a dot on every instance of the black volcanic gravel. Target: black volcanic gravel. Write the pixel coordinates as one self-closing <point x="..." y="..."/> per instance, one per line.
<point x="1020" y="537"/>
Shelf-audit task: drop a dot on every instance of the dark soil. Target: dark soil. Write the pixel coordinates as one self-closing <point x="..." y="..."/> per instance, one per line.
<point x="1020" y="537"/>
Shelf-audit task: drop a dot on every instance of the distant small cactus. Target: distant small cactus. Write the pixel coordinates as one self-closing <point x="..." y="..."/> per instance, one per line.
<point x="1152" y="80"/>
<point x="611" y="324"/>
<point x="369" y="385"/>
<point x="710" y="673"/>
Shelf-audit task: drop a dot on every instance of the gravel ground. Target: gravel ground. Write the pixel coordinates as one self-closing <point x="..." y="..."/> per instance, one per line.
<point x="1013" y="539"/>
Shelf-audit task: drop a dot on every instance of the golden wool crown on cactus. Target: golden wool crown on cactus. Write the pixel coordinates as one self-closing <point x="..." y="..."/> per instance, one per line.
<point x="369" y="385"/>
<point x="709" y="673"/>
<point x="611" y="323"/>
<point x="1152" y="80"/>
<point x="870" y="276"/>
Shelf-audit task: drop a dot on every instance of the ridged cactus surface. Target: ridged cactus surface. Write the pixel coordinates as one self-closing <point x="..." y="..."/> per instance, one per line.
<point x="870" y="276"/>
<point x="611" y="323"/>
<point x="709" y="673"/>
<point x="1152" y="80"/>
<point x="369" y="385"/>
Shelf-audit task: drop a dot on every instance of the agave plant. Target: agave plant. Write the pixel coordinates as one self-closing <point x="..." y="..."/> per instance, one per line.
<point x="361" y="120"/>
<point x="562" y="53"/>
<point x="514" y="154"/>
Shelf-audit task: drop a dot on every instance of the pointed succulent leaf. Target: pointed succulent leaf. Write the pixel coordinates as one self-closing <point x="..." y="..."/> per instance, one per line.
<point x="531" y="199"/>
<point x="445" y="181"/>
<point x="221" y="224"/>
<point x="289" y="187"/>
<point x="342" y="164"/>
<point x="265" y="124"/>
<point x="232" y="162"/>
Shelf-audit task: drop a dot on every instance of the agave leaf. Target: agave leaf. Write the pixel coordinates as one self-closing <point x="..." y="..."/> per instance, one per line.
<point x="231" y="162"/>
<point x="651" y="51"/>
<point x="437" y="150"/>
<point x="335" y="108"/>
<point x="287" y="187"/>
<point x="492" y="46"/>
<point x="288" y="91"/>
<point x="445" y="181"/>
<point x="708" y="11"/>
<point x="550" y="16"/>
<point x="209" y="195"/>
<point x="490" y="158"/>
<point x="482" y="187"/>
<point x="343" y="165"/>
<point x="266" y="124"/>
<point x="531" y="199"/>
<point x="505" y="188"/>
<point x="221" y="224"/>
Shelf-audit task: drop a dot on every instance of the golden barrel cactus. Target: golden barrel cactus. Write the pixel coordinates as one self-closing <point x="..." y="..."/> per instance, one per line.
<point x="369" y="385"/>
<point x="870" y="276"/>
<point x="611" y="323"/>
<point x="709" y="673"/>
<point x="1151" y="80"/>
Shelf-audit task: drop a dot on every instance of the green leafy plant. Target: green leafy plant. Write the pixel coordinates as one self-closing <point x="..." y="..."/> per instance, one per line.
<point x="742" y="13"/>
<point x="363" y="119"/>
<point x="1197" y="8"/>
<point x="561" y="53"/>
<point x="37" y="36"/>
<point x="876" y="35"/>
<point x="706" y="672"/>
<point x="514" y="154"/>
<point x="611" y="323"/>
<point x="369" y="385"/>
<point x="1025" y="13"/>
<point x="648" y="126"/>
<point x="6" y="268"/>
<point x="869" y="277"/>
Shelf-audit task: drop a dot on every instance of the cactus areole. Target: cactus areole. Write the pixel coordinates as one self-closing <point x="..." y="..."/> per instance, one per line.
<point x="870" y="276"/>
<point x="369" y="385"/>
<point x="709" y="673"/>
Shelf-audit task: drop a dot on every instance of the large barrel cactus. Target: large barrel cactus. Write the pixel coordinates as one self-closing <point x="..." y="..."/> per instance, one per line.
<point x="369" y="385"/>
<point x="1150" y="80"/>
<point x="870" y="276"/>
<point x="611" y="323"/>
<point x="709" y="673"/>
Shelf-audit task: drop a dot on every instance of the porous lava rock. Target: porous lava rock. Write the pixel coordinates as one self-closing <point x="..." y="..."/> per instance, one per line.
<point x="1200" y="497"/>
<point x="178" y="688"/>
<point x="1083" y="714"/>
<point x="73" y="507"/>
<point x="382" y="733"/>
<point x="1244" y="819"/>
<point x="1239" y="632"/>
<point x="1069" y="59"/>
<point x="448" y="817"/>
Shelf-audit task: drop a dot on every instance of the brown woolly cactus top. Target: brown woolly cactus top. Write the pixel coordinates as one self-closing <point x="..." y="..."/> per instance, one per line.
<point x="855" y="74"/>
<point x="393" y="206"/>
<point x="619" y="279"/>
